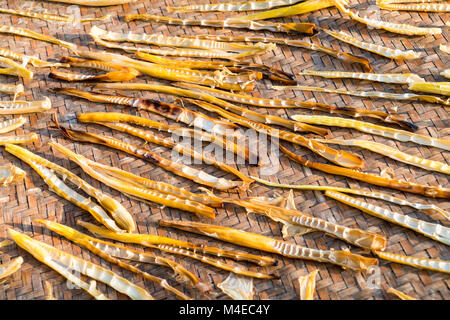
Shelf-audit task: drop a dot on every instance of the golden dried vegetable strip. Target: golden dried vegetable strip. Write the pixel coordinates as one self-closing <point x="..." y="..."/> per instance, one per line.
<point x="152" y="241"/>
<point x="227" y="144"/>
<point x="63" y="263"/>
<point x="399" y="78"/>
<point x="182" y="150"/>
<point x="442" y="88"/>
<point x="10" y="267"/>
<point x="307" y="285"/>
<point x="293" y="103"/>
<point x="269" y="72"/>
<point x="234" y="6"/>
<point x="46" y="170"/>
<point x="308" y="28"/>
<point x="428" y="191"/>
<point x="35" y="62"/>
<point x="374" y="48"/>
<point x="400" y="294"/>
<point x="300" y="8"/>
<point x="12" y="124"/>
<point x="11" y="67"/>
<point x="371" y="128"/>
<point x="372" y="94"/>
<point x="177" y="168"/>
<point x="237" y="288"/>
<point x="388" y="26"/>
<point x="341" y="158"/>
<point x="22" y="107"/>
<point x="345" y="259"/>
<point x="410" y="1"/>
<point x="19" y="139"/>
<point x="35" y="35"/>
<point x="48" y="16"/>
<point x="143" y="190"/>
<point x="16" y="90"/>
<point x="361" y="238"/>
<point x="432" y="230"/>
<point x="168" y="110"/>
<point x="392" y="153"/>
<point x="345" y="57"/>
<point x="10" y="174"/>
<point x="371" y="194"/>
<point x="424" y="7"/>
<point x="95" y="3"/>
<point x="417" y="262"/>
<point x="88" y="242"/>
<point x="169" y="41"/>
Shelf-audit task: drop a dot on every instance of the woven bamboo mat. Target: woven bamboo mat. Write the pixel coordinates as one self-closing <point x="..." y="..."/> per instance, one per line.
<point x="31" y="198"/>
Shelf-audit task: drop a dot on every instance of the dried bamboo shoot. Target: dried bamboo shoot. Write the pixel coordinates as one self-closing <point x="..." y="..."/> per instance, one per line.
<point x="22" y="107"/>
<point x="10" y="174"/>
<point x="19" y="139"/>
<point x="95" y="3"/>
<point x="398" y="78"/>
<point x="10" y="267"/>
<point x="48" y="16"/>
<point x="16" y="90"/>
<point x="307" y="285"/>
<point x="400" y="294"/>
<point x="12" y="124"/>
<point x="442" y="88"/>
<point x="234" y="6"/>
<point x="423" y="7"/>
<point x="422" y="263"/>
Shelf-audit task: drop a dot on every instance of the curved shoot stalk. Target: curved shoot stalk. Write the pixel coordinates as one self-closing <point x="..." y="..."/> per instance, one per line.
<point x="393" y="153"/>
<point x="400" y="294"/>
<point x="388" y="26"/>
<point x="177" y="168"/>
<point x="345" y="259"/>
<point x="10" y="267"/>
<point x="238" y="288"/>
<point x="11" y="67"/>
<point x="371" y="128"/>
<point x="423" y="7"/>
<point x="234" y="6"/>
<point x="100" y="117"/>
<point x="345" y="57"/>
<point x="12" y="124"/>
<point x="19" y="139"/>
<point x="428" y="191"/>
<point x="398" y="78"/>
<point x="88" y="242"/>
<point x="300" y="8"/>
<point x="425" y="208"/>
<point x="307" y="28"/>
<point x="168" y="110"/>
<point x="10" y="174"/>
<point x="372" y="94"/>
<point x="434" y="231"/>
<point x="121" y="219"/>
<point x="48" y="16"/>
<point x="35" y="62"/>
<point x="292" y="103"/>
<point x="65" y="263"/>
<point x="138" y="190"/>
<point x="361" y="238"/>
<point x="421" y="263"/>
<point x="35" y="35"/>
<point x="442" y="88"/>
<point x="374" y="48"/>
<point x="155" y="241"/>
<point x="307" y="285"/>
<point x="22" y="107"/>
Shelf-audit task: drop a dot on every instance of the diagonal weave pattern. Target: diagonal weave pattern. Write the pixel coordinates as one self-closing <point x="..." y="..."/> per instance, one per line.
<point x="31" y="198"/>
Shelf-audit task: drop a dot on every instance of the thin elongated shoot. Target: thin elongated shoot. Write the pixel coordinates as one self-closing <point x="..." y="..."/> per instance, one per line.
<point x="88" y="242"/>
<point x="12" y="124"/>
<point x="22" y="107"/>
<point x="49" y="16"/>
<point x="120" y="219"/>
<point x="406" y="186"/>
<point x="95" y="3"/>
<point x="345" y="259"/>
<point x="434" y="231"/>
<point x="10" y="267"/>
<point x="19" y="139"/>
<point x="65" y="264"/>
<point x="371" y="128"/>
<point x="155" y="240"/>
<point x="15" y="89"/>
<point x="442" y="88"/>
<point x="417" y="262"/>
<point x="399" y="294"/>
<point x="422" y="7"/>
<point x="374" y="48"/>
<point x="35" y="62"/>
<point x="234" y="6"/>
<point x="393" y="153"/>
<point x="397" y="78"/>
<point x="10" y="67"/>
